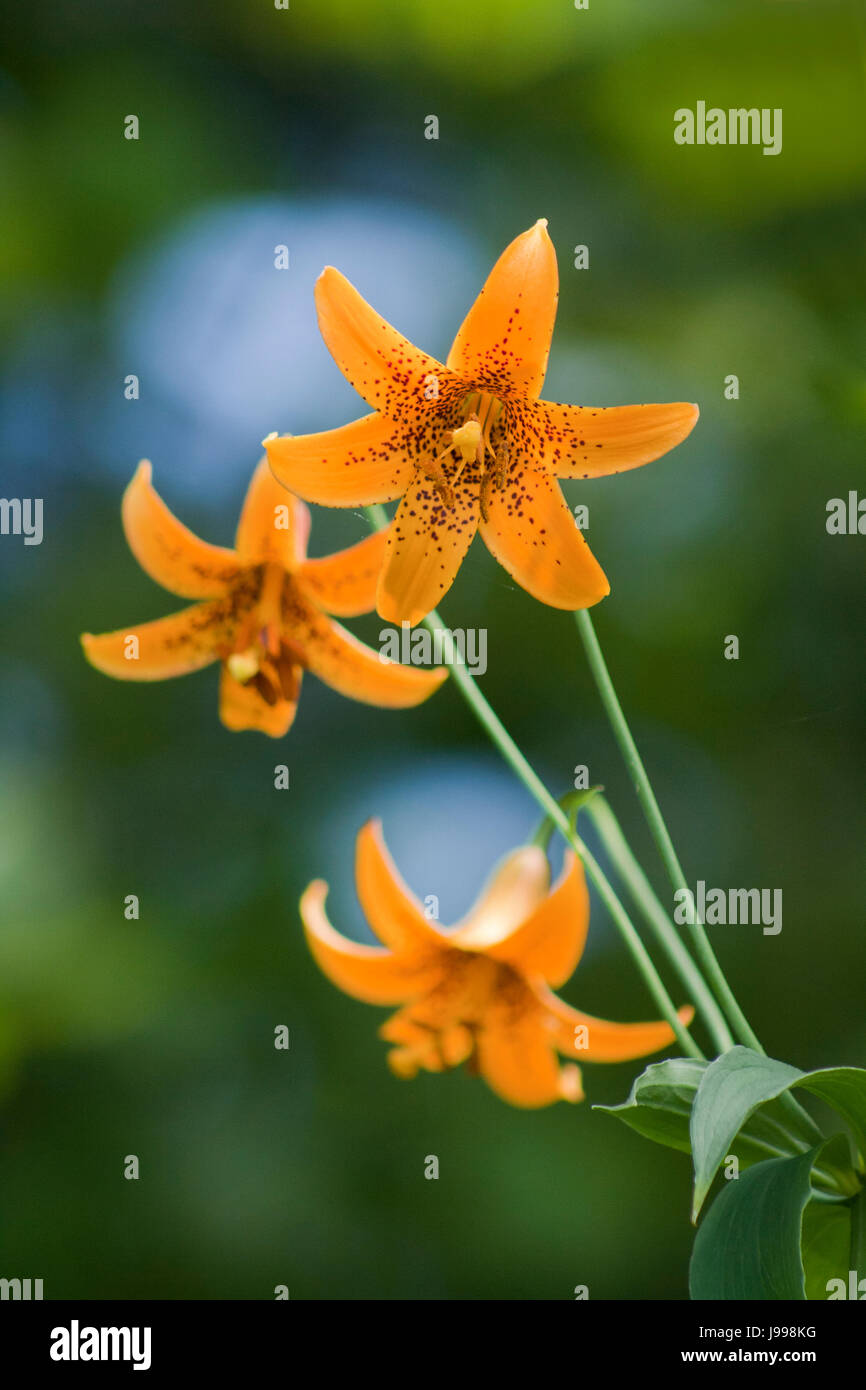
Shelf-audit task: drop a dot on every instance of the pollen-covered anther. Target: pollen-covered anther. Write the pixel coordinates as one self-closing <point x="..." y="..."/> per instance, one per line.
<point x="570" y="1083"/>
<point x="500" y="468"/>
<point x="244" y="665"/>
<point x="494" y="477"/>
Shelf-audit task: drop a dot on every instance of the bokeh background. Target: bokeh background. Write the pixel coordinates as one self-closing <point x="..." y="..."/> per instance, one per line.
<point x="305" y="127"/>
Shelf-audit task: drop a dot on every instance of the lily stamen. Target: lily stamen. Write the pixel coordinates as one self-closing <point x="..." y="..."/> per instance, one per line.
<point x="468" y="441"/>
<point x="243" y="666"/>
<point x="495" y="476"/>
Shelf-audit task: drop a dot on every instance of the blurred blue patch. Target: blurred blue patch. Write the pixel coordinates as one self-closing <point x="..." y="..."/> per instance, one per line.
<point x="226" y="347"/>
<point x="448" y="819"/>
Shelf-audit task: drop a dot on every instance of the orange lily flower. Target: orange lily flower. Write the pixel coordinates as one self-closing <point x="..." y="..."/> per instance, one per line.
<point x="264" y="614"/>
<point x="468" y="444"/>
<point x="479" y="992"/>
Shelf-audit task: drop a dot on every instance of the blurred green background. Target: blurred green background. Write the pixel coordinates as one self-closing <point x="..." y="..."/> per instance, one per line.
<point x="305" y="127"/>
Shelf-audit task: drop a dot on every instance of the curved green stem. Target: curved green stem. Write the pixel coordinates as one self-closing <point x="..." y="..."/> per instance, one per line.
<point x="571" y="803"/>
<point x="704" y="951"/>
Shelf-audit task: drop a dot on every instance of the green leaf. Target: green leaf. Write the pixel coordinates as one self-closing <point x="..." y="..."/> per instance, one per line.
<point x="738" y="1082"/>
<point x="660" y="1103"/>
<point x="857" y="1243"/>
<point x="845" y="1089"/>
<point x="825" y="1245"/>
<point x="748" y="1246"/>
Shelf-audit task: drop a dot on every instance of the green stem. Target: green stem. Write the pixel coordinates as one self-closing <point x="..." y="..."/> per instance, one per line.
<point x="704" y="951"/>
<point x="571" y="803"/>
<point x="377" y="516"/>
<point x="619" y="851"/>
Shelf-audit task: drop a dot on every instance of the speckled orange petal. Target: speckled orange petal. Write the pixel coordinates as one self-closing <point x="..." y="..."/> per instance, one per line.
<point x="172" y="646"/>
<point x="549" y="943"/>
<point x="505" y="338"/>
<point x="274" y="524"/>
<point x="167" y="550"/>
<point x="516" y="1055"/>
<point x="369" y="460"/>
<point x="603" y="1041"/>
<point x="242" y="707"/>
<point x="345" y="582"/>
<point x="426" y="545"/>
<point x="515" y="889"/>
<point x="577" y="441"/>
<point x="350" y="667"/>
<point x="533" y="535"/>
<point x="392" y="911"/>
<point x="386" y="369"/>
<point x="365" y="972"/>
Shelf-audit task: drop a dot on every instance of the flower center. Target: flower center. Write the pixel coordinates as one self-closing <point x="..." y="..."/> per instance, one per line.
<point x="261" y="657"/>
<point x="470" y="447"/>
<point x="440" y="1030"/>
